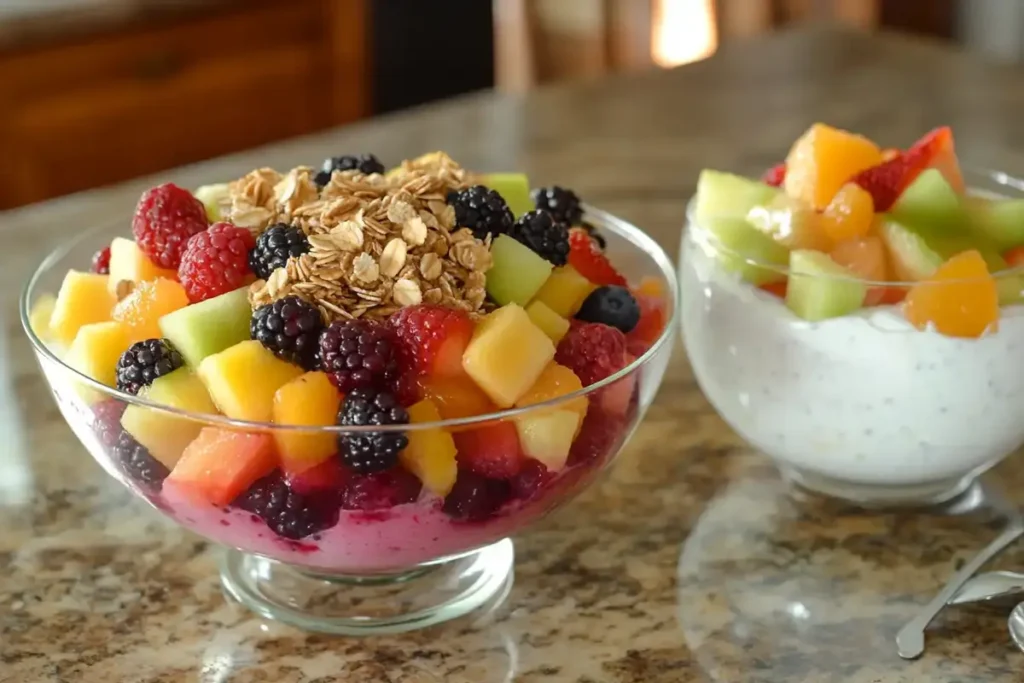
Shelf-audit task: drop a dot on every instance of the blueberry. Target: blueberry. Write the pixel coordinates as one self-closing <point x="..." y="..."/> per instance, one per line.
<point x="612" y="305"/>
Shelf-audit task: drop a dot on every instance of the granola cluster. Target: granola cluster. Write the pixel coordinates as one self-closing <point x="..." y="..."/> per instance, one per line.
<point x="378" y="242"/>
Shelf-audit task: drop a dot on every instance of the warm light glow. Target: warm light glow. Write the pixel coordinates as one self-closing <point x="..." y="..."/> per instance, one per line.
<point x="684" y="31"/>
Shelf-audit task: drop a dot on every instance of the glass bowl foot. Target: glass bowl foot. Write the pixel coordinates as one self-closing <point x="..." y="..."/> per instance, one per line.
<point x="931" y="494"/>
<point x="369" y="605"/>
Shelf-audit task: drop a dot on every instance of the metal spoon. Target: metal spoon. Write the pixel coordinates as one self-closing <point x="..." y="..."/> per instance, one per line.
<point x="1016" y="624"/>
<point x="990" y="587"/>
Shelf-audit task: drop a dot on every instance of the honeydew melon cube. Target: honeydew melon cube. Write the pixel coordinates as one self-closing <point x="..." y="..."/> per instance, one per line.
<point x="517" y="272"/>
<point x="819" y="288"/>
<point x="208" y="327"/>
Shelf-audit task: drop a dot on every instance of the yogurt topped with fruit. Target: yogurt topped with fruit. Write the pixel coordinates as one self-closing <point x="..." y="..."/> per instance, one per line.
<point x="263" y="313"/>
<point x="855" y="314"/>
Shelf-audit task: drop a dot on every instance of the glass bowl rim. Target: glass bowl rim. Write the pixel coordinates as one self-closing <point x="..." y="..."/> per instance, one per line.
<point x="602" y="219"/>
<point x="704" y="236"/>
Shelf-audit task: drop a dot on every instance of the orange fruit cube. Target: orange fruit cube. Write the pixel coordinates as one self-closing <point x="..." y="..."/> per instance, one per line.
<point x="960" y="300"/>
<point x="866" y="258"/>
<point x="823" y="160"/>
<point x="141" y="310"/>
<point x="309" y="400"/>
<point x="849" y="215"/>
<point x="220" y="463"/>
<point x="431" y="453"/>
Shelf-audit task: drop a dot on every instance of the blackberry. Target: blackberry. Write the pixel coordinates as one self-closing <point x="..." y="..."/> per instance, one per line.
<point x="290" y="327"/>
<point x="358" y="353"/>
<point x="364" y="163"/>
<point x="482" y="210"/>
<point x="543" y="234"/>
<point x="138" y="463"/>
<point x="144" y="361"/>
<point x="289" y="514"/>
<point x="368" y="452"/>
<point x="106" y="421"/>
<point x="612" y="305"/>
<point x="380" y="490"/>
<point x="274" y="247"/>
<point x="563" y="204"/>
<point x="474" y="498"/>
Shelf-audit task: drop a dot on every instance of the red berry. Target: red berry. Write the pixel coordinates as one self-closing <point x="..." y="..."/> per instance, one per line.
<point x="651" y="325"/>
<point x="432" y="338"/>
<point x="600" y="435"/>
<point x="325" y="477"/>
<point x="101" y="261"/>
<point x="475" y="498"/>
<point x="531" y="480"/>
<point x="775" y="175"/>
<point x="165" y="218"/>
<point x="216" y="261"/>
<point x="491" y="450"/>
<point x="593" y="351"/>
<point x="588" y="260"/>
<point x="886" y="181"/>
<point x="380" y="490"/>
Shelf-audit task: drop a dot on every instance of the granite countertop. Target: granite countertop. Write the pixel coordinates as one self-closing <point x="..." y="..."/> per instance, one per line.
<point x="688" y="563"/>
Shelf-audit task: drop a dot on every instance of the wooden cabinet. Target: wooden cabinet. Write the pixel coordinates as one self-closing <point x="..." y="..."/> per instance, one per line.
<point x="145" y="98"/>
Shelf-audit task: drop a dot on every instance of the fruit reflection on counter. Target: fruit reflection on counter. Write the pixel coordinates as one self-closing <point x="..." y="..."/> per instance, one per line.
<point x="843" y="225"/>
<point x="358" y="297"/>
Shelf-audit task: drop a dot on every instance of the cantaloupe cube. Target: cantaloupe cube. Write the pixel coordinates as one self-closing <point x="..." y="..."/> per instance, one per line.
<point x="307" y="400"/>
<point x="564" y="291"/>
<point x="507" y="354"/>
<point x="83" y="298"/>
<point x="554" y="325"/>
<point x="128" y="263"/>
<point x="141" y="310"/>
<point x="823" y="160"/>
<point x="220" y="464"/>
<point x="40" y="314"/>
<point x="243" y="379"/>
<point x="166" y="435"/>
<point x="431" y="453"/>
<point x="547" y="434"/>
<point x="96" y="349"/>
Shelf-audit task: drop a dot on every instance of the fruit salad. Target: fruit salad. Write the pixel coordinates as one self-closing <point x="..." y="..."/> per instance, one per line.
<point x="298" y="364"/>
<point x="850" y="309"/>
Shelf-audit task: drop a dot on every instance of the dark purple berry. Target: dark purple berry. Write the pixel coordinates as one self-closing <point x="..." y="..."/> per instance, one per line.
<point x="475" y="498"/>
<point x="544" y="235"/>
<point x="364" y="163"/>
<point x="366" y="452"/>
<point x="287" y="513"/>
<point x="138" y="463"/>
<point x="274" y="247"/>
<point x="612" y="305"/>
<point x="144" y="361"/>
<point x="106" y="421"/>
<point x="358" y="353"/>
<point x="482" y="210"/>
<point x="562" y="204"/>
<point x="530" y="480"/>
<point x="290" y="327"/>
<point x="381" y="490"/>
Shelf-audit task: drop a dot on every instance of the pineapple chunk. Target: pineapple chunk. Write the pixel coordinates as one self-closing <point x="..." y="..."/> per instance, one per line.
<point x="96" y="350"/>
<point x="243" y="379"/>
<point x="547" y="435"/>
<point x="431" y="453"/>
<point x="83" y="298"/>
<point x="128" y="263"/>
<point x="564" y="291"/>
<point x="554" y="325"/>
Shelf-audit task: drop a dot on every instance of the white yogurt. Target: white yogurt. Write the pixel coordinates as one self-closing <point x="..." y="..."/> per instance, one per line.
<point x="865" y="398"/>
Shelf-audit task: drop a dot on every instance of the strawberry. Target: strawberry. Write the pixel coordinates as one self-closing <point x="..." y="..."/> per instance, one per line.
<point x="588" y="260"/>
<point x="652" y="322"/>
<point x="431" y="339"/>
<point x="491" y="450"/>
<point x="775" y="175"/>
<point x="886" y="181"/>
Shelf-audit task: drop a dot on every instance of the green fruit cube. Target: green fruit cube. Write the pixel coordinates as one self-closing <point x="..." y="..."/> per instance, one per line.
<point x="724" y="195"/>
<point x="930" y="205"/>
<point x="208" y="327"/>
<point x="1000" y="220"/>
<point x="912" y="258"/>
<point x="517" y="272"/>
<point x="819" y="288"/>
<point x="742" y="248"/>
<point x="514" y="188"/>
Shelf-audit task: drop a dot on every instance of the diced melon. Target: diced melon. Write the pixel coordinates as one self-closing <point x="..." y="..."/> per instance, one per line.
<point x="746" y="251"/>
<point x="791" y="223"/>
<point x="83" y="298"/>
<point x="150" y="301"/>
<point x="431" y="453"/>
<point x="220" y="464"/>
<point x="213" y="198"/>
<point x="165" y="434"/>
<point x="929" y="205"/>
<point x="911" y="257"/>
<point x="243" y="379"/>
<point x="554" y="325"/>
<point x="128" y="263"/>
<point x="1000" y="220"/>
<point x="823" y="160"/>
<point x="96" y="349"/>
<point x="514" y="188"/>
<point x="819" y="288"/>
<point x="564" y="291"/>
<point x="724" y="195"/>
<point x="210" y="326"/>
<point x="547" y="434"/>
<point x="517" y="272"/>
<point x="507" y="354"/>
<point x="307" y="400"/>
<point x="40" y="314"/>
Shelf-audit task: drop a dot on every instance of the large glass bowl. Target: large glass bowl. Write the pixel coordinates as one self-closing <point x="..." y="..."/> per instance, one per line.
<point x="372" y="570"/>
<point x="864" y="407"/>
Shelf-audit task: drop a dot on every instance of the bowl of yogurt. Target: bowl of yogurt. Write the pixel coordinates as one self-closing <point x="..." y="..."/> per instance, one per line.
<point x="858" y="321"/>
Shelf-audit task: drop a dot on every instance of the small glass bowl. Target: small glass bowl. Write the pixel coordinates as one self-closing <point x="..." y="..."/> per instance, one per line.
<point x="863" y="407"/>
<point x="369" y="570"/>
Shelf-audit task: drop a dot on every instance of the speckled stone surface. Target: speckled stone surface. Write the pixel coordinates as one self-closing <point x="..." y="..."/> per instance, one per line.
<point x="689" y="563"/>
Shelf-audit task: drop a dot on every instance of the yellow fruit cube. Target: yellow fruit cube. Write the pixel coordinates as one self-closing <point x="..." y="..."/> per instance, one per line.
<point x="166" y="435"/>
<point x="307" y="400"/>
<point x="554" y="325"/>
<point x="141" y="310"/>
<point x="823" y="160"/>
<point x="430" y="454"/>
<point x="564" y="291"/>
<point x="83" y="298"/>
<point x="507" y="354"/>
<point x="555" y="381"/>
<point x="40" y="314"/>
<point x="96" y="349"/>
<point x="243" y="379"/>
<point x="128" y="263"/>
<point x="547" y="434"/>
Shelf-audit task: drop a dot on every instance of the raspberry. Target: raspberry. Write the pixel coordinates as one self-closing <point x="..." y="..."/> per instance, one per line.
<point x="137" y="462"/>
<point x="562" y="204"/>
<point x="475" y="498"/>
<point x="599" y="436"/>
<point x="364" y="163"/>
<point x="358" y="353"/>
<point x="290" y="327"/>
<point x="101" y="261"/>
<point x="593" y="351"/>
<point x="144" y="361"/>
<point x="288" y="513"/>
<point x="775" y="175"/>
<point x="165" y="218"/>
<point x="531" y="480"/>
<point x="431" y="339"/>
<point x="491" y="451"/>
<point x="274" y="247"/>
<point x="367" y="452"/>
<point x="106" y="421"/>
<point x="586" y="257"/>
<point x="381" y="490"/>
<point x="482" y="210"/>
<point x="544" y="235"/>
<point x="215" y="262"/>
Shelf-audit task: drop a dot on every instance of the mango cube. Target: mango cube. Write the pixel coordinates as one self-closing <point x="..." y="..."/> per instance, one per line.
<point x="96" y="349"/>
<point x="507" y="354"/>
<point x="307" y="400"/>
<point x="554" y="325"/>
<point x="151" y="300"/>
<point x="564" y="291"/>
<point x="431" y="453"/>
<point x="823" y="160"/>
<point x="243" y="379"/>
<point x="83" y="298"/>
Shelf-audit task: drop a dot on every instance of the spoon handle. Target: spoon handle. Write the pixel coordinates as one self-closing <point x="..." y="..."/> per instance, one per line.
<point x="910" y="639"/>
